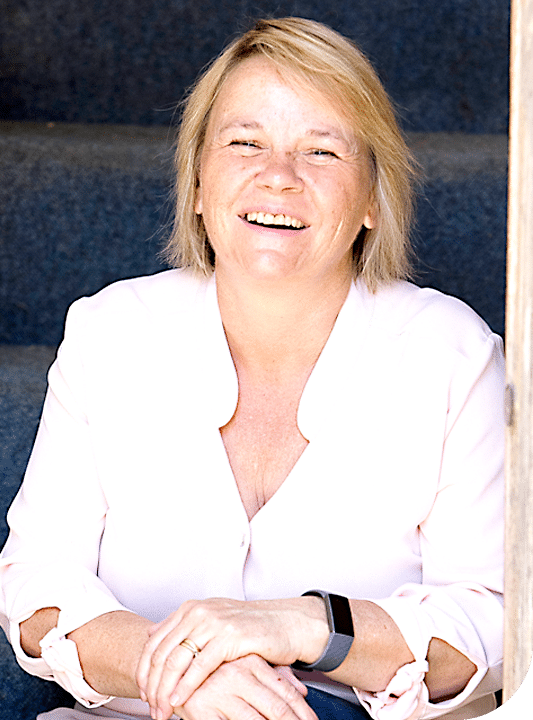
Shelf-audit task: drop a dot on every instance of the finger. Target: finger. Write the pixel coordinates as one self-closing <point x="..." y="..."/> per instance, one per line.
<point x="286" y="672"/>
<point x="161" y="633"/>
<point x="248" y="689"/>
<point x="176" y="666"/>
<point x="277" y="699"/>
<point x="155" y="655"/>
<point x="289" y="702"/>
<point x="168" y="664"/>
<point x="154" y="628"/>
<point x="211" y="657"/>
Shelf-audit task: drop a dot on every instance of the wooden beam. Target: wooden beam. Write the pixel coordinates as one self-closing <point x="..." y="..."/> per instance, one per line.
<point x="518" y="644"/>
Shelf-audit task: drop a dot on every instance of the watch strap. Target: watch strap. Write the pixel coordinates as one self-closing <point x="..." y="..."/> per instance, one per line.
<point x="341" y="633"/>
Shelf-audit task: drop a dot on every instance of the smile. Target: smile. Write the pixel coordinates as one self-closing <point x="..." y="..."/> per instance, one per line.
<point x="270" y="220"/>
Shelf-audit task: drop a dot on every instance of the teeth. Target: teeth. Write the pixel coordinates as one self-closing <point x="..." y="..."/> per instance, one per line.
<point x="269" y="219"/>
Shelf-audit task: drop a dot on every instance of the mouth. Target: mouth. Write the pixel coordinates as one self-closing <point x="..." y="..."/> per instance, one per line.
<point x="265" y="219"/>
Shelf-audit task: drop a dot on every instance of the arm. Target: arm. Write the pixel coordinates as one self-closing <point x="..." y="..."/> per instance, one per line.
<point x="282" y="631"/>
<point x="380" y="650"/>
<point x="122" y="634"/>
<point x="236" y="690"/>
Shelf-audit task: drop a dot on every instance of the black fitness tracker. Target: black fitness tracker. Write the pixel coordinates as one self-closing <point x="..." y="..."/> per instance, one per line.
<point x="341" y="633"/>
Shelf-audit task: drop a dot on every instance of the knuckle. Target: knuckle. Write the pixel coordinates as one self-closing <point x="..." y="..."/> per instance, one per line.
<point x="173" y="661"/>
<point x="158" y="657"/>
<point x="280" y="709"/>
<point x="290" y="693"/>
<point x="199" y="612"/>
<point x="252" y="661"/>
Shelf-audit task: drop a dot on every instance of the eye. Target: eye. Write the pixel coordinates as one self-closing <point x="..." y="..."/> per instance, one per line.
<point x="320" y="155"/>
<point x="246" y="147"/>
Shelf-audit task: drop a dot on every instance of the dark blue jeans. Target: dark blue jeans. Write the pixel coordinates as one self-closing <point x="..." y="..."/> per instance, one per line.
<point x="328" y="707"/>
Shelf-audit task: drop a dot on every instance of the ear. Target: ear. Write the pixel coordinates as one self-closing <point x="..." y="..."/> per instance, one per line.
<point x="198" y="204"/>
<point x="370" y="219"/>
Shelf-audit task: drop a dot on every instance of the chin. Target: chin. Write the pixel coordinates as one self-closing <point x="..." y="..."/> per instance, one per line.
<point x="273" y="266"/>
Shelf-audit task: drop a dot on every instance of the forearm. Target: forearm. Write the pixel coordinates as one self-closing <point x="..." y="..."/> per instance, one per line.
<point x="379" y="651"/>
<point x="109" y="647"/>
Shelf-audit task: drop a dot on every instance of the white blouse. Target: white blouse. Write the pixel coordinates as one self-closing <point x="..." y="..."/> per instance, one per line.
<point x="129" y="501"/>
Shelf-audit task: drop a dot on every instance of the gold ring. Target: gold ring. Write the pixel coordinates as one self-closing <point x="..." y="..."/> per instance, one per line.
<point x="190" y="645"/>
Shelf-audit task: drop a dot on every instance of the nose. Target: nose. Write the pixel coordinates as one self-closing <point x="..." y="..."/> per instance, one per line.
<point x="279" y="174"/>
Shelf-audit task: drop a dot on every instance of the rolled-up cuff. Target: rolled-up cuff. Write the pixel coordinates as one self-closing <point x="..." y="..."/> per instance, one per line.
<point x="61" y="656"/>
<point x="404" y="698"/>
<point x="455" y="614"/>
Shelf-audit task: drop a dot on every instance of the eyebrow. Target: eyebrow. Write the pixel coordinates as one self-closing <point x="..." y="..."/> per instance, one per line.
<point x="241" y="125"/>
<point x="328" y="132"/>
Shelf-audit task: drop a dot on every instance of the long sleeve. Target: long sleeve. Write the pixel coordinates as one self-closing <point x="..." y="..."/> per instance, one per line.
<point x="56" y="520"/>
<point x="459" y="600"/>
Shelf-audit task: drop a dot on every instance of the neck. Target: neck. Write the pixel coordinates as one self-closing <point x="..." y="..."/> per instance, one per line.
<point x="277" y="329"/>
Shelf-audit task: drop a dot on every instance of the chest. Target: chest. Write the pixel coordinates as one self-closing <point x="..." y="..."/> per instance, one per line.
<point x="263" y="442"/>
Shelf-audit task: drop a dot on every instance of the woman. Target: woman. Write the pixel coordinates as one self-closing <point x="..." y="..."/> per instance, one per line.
<point x="215" y="445"/>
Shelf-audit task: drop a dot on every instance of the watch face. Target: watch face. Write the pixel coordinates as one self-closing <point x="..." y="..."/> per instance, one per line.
<point x="342" y="615"/>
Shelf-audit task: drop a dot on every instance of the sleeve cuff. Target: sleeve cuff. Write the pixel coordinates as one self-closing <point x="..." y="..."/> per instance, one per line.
<point x="404" y="698"/>
<point x="61" y="656"/>
<point x="423" y="612"/>
<point x="59" y="659"/>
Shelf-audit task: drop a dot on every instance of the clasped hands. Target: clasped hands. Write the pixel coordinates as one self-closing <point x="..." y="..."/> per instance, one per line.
<point x="242" y="668"/>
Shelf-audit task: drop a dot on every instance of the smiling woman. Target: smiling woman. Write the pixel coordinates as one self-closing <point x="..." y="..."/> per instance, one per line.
<point x="336" y="74"/>
<point x="276" y="148"/>
<point x="283" y="412"/>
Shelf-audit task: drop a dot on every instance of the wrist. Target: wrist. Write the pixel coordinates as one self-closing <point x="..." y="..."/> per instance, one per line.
<point x="315" y="629"/>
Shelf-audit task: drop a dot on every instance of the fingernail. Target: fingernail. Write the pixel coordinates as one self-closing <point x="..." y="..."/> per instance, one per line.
<point x="143" y="696"/>
<point x="175" y="700"/>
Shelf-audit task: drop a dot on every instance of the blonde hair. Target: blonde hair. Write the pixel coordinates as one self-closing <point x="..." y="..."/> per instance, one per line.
<point x="334" y="66"/>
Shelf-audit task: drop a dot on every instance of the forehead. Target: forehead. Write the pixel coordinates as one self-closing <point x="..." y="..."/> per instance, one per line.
<point x="258" y="82"/>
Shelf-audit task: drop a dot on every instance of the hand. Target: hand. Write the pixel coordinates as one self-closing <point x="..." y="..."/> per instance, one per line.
<point x="248" y="689"/>
<point x="279" y="631"/>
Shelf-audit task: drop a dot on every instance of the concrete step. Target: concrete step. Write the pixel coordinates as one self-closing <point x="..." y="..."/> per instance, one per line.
<point x="445" y="63"/>
<point x="84" y="205"/>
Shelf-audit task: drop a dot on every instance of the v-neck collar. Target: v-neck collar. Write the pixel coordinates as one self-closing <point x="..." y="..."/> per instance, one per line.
<point x="325" y="389"/>
<point x="338" y="364"/>
<point x="339" y="360"/>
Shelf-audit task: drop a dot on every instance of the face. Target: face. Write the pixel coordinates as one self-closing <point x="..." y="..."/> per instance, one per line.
<point x="285" y="185"/>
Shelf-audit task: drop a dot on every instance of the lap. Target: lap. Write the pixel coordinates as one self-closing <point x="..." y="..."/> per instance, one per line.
<point x="328" y="707"/>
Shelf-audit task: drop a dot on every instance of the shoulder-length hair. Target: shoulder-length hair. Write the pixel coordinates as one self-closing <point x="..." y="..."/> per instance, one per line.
<point x="334" y="66"/>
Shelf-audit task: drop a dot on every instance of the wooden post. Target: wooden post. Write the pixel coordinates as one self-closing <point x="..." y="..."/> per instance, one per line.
<point x="518" y="645"/>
